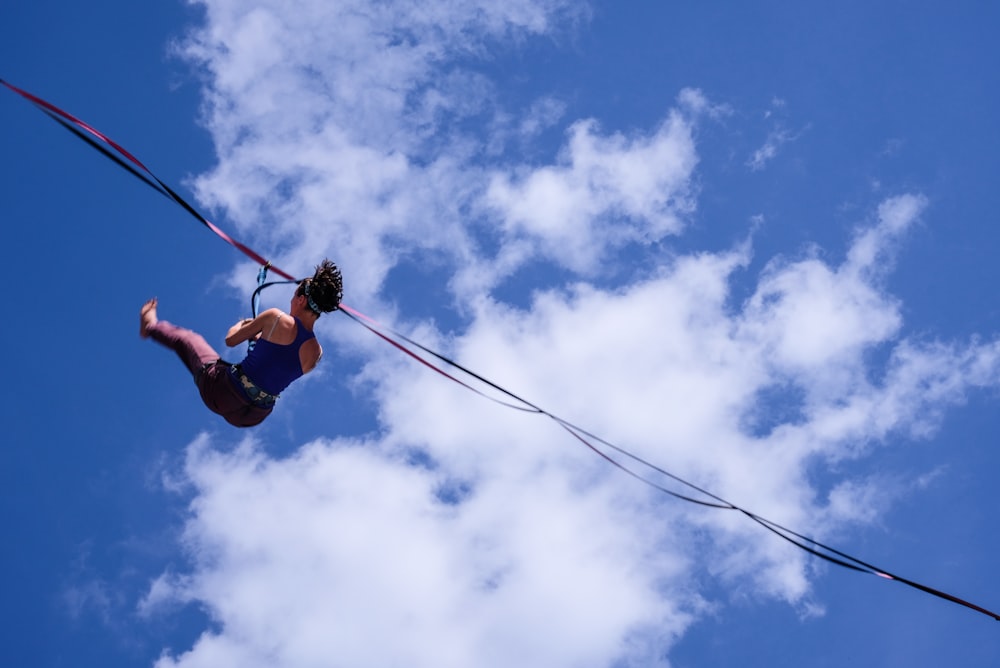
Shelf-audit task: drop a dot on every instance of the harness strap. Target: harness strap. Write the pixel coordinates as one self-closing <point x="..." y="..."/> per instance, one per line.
<point x="255" y="394"/>
<point x="255" y="300"/>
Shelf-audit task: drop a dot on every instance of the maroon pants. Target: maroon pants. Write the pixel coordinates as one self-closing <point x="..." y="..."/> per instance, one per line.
<point x="211" y="374"/>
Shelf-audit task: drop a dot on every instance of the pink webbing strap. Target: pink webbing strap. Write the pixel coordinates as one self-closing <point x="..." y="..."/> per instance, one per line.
<point x="48" y="106"/>
<point x="79" y="126"/>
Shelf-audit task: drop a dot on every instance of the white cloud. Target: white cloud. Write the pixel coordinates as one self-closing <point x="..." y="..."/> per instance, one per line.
<point x="769" y="150"/>
<point x="320" y="556"/>
<point x="330" y="118"/>
<point x="777" y="137"/>
<point x="605" y="191"/>
<point x="474" y="535"/>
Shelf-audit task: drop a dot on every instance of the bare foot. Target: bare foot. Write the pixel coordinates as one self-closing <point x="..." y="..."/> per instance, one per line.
<point x="147" y="317"/>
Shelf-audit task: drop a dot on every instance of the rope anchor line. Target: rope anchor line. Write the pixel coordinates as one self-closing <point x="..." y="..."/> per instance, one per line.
<point x="106" y="146"/>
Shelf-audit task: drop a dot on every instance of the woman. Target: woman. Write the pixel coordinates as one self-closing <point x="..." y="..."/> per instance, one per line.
<point x="285" y="349"/>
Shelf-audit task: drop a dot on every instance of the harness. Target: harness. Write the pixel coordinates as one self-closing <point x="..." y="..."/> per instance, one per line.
<point x="254" y="394"/>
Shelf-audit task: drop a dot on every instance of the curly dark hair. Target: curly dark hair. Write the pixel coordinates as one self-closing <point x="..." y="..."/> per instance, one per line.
<point x="324" y="290"/>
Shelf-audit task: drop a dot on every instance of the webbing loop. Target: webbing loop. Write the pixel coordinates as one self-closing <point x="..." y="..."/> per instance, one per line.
<point x="255" y="300"/>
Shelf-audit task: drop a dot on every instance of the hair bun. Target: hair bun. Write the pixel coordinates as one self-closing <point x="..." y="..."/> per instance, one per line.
<point x="326" y="287"/>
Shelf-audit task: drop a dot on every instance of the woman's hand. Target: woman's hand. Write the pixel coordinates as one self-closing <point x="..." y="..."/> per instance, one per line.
<point x="242" y="331"/>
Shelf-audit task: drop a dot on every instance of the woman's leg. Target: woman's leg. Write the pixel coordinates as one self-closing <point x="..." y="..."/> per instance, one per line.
<point x="190" y="346"/>
<point x="218" y="391"/>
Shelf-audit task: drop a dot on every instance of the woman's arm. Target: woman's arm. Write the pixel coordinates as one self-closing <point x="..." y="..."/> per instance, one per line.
<point x="249" y="328"/>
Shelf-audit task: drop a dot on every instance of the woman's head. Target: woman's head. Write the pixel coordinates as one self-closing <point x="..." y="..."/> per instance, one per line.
<point x="324" y="290"/>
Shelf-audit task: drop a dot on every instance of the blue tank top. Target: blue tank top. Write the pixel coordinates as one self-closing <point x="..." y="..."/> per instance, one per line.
<point x="271" y="366"/>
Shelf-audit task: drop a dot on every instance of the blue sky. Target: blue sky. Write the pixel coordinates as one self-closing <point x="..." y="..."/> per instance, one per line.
<point x="751" y="242"/>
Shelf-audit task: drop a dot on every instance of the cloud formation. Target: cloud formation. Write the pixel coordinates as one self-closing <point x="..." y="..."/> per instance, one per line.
<point x="467" y="533"/>
<point x="605" y="191"/>
<point x="777" y="137"/>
